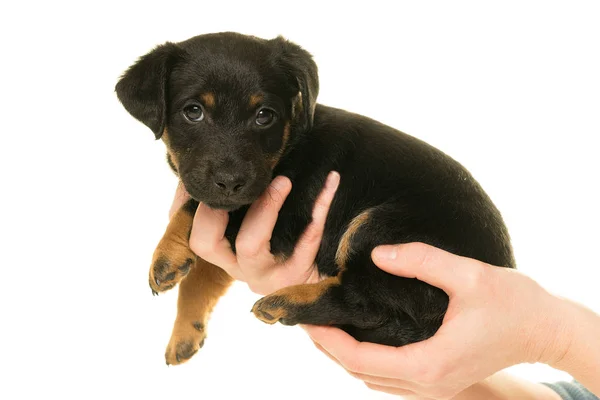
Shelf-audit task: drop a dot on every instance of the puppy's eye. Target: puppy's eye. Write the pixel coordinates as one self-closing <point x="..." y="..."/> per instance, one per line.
<point x="193" y="113"/>
<point x="264" y="117"/>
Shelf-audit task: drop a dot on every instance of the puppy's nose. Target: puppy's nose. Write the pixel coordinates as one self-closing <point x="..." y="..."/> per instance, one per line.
<point x="229" y="183"/>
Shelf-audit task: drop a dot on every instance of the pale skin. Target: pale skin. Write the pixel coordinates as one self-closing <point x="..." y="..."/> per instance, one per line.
<point x="253" y="262"/>
<point x="496" y="317"/>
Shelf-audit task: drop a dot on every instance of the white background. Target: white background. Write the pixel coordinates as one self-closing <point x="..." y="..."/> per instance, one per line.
<point x="511" y="90"/>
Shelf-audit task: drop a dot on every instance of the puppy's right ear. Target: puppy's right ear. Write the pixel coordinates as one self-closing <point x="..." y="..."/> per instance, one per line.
<point x="143" y="87"/>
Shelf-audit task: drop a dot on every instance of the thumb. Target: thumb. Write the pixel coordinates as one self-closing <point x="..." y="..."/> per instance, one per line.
<point x="439" y="268"/>
<point x="180" y="198"/>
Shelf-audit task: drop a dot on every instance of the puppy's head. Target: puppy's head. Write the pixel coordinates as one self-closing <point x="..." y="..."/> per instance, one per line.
<point x="227" y="106"/>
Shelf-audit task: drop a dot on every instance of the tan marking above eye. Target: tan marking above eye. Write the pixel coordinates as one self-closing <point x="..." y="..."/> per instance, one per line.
<point x="208" y="99"/>
<point x="255" y="99"/>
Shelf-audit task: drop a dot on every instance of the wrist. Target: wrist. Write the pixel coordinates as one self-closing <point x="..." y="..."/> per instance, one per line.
<point x="581" y="356"/>
<point x="554" y="332"/>
<point x="502" y="386"/>
<point x="567" y="340"/>
<point x="540" y="322"/>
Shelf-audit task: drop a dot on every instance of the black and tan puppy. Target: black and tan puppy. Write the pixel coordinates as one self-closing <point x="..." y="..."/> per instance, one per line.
<point x="234" y="112"/>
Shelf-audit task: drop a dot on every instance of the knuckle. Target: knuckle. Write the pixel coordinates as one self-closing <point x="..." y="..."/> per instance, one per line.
<point x="474" y="278"/>
<point x="423" y="251"/>
<point x="272" y="199"/>
<point x="321" y="206"/>
<point x="417" y="254"/>
<point x="265" y="202"/>
<point x="312" y="234"/>
<point x="422" y="257"/>
<point x="248" y="247"/>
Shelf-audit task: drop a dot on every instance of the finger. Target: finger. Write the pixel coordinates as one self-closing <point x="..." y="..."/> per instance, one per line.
<point x="322" y="350"/>
<point x="181" y="196"/>
<point x="208" y="241"/>
<point x="376" y="380"/>
<point x="389" y="382"/>
<point x="390" y="390"/>
<point x="308" y="245"/>
<point x="437" y="267"/>
<point x="256" y="229"/>
<point x="369" y="358"/>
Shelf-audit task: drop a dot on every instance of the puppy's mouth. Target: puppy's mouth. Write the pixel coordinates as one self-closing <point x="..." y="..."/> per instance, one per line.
<point x="224" y="205"/>
<point x="221" y="202"/>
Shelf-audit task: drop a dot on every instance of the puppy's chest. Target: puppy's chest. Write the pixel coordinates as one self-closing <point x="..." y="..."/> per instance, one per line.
<point x="290" y="225"/>
<point x="288" y="229"/>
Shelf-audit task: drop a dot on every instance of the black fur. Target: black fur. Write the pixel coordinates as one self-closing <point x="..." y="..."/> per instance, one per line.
<point x="414" y="191"/>
<point x="144" y="92"/>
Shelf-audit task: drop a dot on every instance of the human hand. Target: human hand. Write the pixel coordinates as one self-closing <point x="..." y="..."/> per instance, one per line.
<point x="497" y="317"/>
<point x="253" y="262"/>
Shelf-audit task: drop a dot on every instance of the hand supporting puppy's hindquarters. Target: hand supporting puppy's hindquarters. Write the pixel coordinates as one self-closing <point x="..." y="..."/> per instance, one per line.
<point x="497" y="317"/>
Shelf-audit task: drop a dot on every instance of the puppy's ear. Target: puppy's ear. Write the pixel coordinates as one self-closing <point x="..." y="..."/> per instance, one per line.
<point x="301" y="70"/>
<point x="143" y="87"/>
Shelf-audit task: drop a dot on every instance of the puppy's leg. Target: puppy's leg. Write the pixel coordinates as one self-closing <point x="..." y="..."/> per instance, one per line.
<point x="352" y="308"/>
<point x="365" y="301"/>
<point x="173" y="258"/>
<point x="198" y="294"/>
<point x="322" y="303"/>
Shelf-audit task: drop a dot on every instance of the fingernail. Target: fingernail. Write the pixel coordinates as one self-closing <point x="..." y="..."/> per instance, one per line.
<point x="387" y="252"/>
<point x="278" y="183"/>
<point x="333" y="180"/>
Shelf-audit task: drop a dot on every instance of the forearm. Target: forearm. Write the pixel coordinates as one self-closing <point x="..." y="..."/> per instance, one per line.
<point x="502" y="386"/>
<point x="580" y="355"/>
<point x="569" y="340"/>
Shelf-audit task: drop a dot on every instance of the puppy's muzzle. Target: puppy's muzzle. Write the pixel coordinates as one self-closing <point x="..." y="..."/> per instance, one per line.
<point x="229" y="183"/>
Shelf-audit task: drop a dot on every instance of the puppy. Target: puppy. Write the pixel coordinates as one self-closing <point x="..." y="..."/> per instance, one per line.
<point x="235" y="111"/>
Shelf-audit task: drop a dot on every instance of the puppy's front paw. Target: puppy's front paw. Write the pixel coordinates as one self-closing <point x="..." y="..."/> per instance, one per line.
<point x="187" y="338"/>
<point x="172" y="261"/>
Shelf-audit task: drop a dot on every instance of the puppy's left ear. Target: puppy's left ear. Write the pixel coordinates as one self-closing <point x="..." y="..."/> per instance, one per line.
<point x="303" y="75"/>
<point x="143" y="87"/>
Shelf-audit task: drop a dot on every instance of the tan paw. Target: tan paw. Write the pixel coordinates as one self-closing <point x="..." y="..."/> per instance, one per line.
<point x="271" y="309"/>
<point x="186" y="340"/>
<point x="171" y="262"/>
